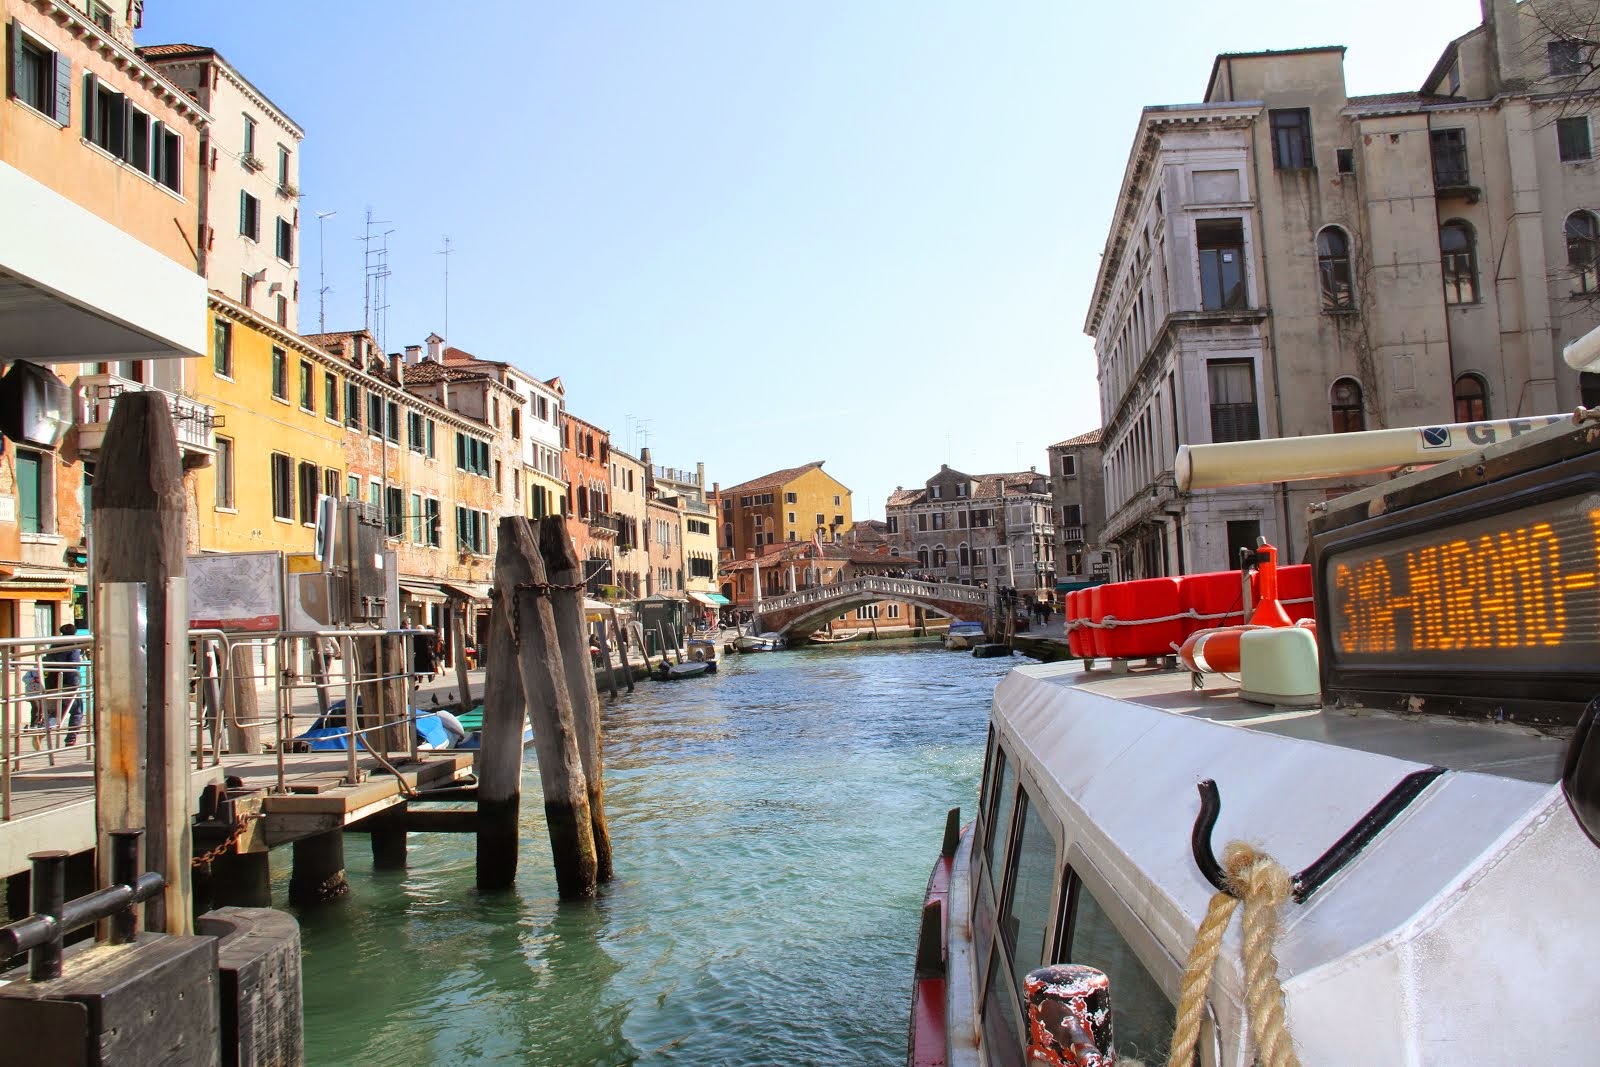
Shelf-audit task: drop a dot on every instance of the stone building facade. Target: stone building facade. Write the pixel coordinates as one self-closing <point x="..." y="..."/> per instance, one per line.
<point x="1287" y="260"/>
<point x="795" y="504"/>
<point x="990" y="530"/>
<point x="1077" y="495"/>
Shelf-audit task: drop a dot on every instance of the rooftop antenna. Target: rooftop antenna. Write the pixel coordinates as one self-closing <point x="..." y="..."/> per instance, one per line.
<point x="322" y="271"/>
<point x="375" y="267"/>
<point x="445" y="252"/>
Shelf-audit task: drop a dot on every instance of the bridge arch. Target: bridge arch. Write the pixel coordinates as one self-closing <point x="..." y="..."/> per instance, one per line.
<point x="797" y="614"/>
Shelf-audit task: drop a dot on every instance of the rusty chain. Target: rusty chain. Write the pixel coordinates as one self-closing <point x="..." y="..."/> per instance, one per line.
<point x="232" y="839"/>
<point x="537" y="589"/>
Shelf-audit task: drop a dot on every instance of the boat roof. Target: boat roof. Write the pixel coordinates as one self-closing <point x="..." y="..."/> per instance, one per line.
<point x="1504" y="749"/>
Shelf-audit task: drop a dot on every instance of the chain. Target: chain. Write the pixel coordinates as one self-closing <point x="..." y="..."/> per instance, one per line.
<point x="537" y="589"/>
<point x="232" y="839"/>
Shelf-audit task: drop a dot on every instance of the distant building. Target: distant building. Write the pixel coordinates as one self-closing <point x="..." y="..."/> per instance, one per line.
<point x="1077" y="493"/>
<point x="990" y="530"/>
<point x="631" y="570"/>
<point x="533" y="422"/>
<point x="1285" y="259"/>
<point x="594" y="526"/>
<point x="249" y="244"/>
<point x="686" y="490"/>
<point x="795" y="504"/>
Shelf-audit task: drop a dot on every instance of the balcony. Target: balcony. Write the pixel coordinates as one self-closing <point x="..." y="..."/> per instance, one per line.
<point x="605" y="524"/>
<point x="1071" y="535"/>
<point x="192" y="422"/>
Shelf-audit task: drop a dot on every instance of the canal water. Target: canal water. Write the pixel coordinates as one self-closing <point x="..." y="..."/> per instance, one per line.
<point x="773" y="826"/>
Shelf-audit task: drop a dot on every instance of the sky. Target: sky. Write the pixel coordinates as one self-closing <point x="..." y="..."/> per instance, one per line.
<point x="757" y="234"/>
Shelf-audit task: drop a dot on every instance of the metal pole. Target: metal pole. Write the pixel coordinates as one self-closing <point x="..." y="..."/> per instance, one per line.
<point x="351" y="695"/>
<point x="125" y="871"/>
<point x="49" y="897"/>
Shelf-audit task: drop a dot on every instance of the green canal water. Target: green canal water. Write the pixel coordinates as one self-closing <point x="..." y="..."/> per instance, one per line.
<point x="773" y="826"/>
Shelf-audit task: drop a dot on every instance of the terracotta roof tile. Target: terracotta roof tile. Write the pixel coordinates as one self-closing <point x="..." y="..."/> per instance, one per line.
<point x="773" y="480"/>
<point x="1090" y="438"/>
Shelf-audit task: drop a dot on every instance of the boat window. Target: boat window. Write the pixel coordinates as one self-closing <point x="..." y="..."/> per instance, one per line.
<point x="1002" y="1020"/>
<point x="1141" y="1014"/>
<point x="990" y="753"/>
<point x="1000" y="806"/>
<point x="1027" y="908"/>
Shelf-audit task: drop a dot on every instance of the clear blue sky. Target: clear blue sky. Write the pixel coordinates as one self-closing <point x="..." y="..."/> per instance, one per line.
<point x="854" y="231"/>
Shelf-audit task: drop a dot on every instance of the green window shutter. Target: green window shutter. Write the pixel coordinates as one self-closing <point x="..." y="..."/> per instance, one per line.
<point x="158" y="153"/>
<point x="28" y="491"/>
<point x="13" y="57"/>
<point x="88" y="106"/>
<point x="243" y="200"/>
<point x="63" y="90"/>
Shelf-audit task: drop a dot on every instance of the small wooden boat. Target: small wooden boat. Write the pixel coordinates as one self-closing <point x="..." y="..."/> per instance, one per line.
<point x="767" y="642"/>
<point x="823" y="637"/>
<point x="673" y="672"/>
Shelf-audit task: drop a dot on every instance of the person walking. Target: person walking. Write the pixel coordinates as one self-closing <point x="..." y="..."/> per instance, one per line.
<point x="63" y="683"/>
<point x="423" y="663"/>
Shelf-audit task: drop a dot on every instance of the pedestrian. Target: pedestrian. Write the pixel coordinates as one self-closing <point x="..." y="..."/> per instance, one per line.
<point x="64" y="684"/>
<point x="438" y="654"/>
<point x="422" y="661"/>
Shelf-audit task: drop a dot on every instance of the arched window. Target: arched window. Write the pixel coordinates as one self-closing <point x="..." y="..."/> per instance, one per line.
<point x="1583" y="236"/>
<point x="964" y="555"/>
<point x="1458" y="255"/>
<point x="938" y="556"/>
<point x="1472" y="399"/>
<point x="1334" y="275"/>
<point x="922" y="556"/>
<point x="583" y="502"/>
<point x="1348" y="413"/>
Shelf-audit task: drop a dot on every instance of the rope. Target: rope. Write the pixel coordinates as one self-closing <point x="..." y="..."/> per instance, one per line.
<point x="1264" y="886"/>
<point x="1111" y="622"/>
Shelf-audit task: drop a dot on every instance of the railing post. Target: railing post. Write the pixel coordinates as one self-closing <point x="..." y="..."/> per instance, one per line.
<point x="49" y="897"/>
<point x="125" y="871"/>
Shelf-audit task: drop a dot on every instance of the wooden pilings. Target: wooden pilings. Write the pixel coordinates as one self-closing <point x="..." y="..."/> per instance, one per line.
<point x="565" y="574"/>
<point x="141" y="650"/>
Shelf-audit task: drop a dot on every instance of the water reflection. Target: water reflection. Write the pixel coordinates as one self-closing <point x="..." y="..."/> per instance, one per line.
<point x="773" y="825"/>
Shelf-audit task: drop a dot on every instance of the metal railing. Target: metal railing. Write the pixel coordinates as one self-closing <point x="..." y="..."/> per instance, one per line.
<point x="192" y="421"/>
<point x="887" y="588"/>
<point x="47" y="720"/>
<point x="1071" y="534"/>
<point x="605" y="522"/>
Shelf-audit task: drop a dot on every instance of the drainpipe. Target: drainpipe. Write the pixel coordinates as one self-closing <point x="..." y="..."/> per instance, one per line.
<point x="1281" y="488"/>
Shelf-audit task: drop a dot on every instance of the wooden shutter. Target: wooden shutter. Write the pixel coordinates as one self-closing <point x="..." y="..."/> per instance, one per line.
<point x="243" y="200"/>
<point x="13" y="57"/>
<point x="63" y="108"/>
<point x="29" y="492"/>
<point x="158" y="152"/>
<point x="88" y="106"/>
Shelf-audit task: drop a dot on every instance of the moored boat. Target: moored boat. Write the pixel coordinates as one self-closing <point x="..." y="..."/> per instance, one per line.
<point x="963" y="635"/>
<point x="766" y="642"/>
<point x="1405" y="757"/>
<point x="674" y="672"/>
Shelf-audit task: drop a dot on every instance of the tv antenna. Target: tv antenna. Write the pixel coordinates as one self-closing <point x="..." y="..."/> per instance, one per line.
<point x="322" y="271"/>
<point x="445" y="252"/>
<point x="376" y="267"/>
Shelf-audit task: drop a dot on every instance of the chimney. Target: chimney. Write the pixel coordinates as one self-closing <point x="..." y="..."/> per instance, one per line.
<point x="700" y="475"/>
<point x="413" y="353"/>
<point x="436" y="348"/>
<point x="397" y="367"/>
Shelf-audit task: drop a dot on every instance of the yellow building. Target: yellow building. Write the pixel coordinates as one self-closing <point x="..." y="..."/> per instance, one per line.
<point x="796" y="504"/>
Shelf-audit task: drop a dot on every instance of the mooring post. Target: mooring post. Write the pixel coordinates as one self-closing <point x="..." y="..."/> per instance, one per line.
<point x="608" y="638"/>
<point x="141" y="645"/>
<point x="1069" y="1016"/>
<point x="458" y="651"/>
<point x="620" y="636"/>
<point x="498" y="764"/>
<point x="318" y="872"/>
<point x="566" y="602"/>
<point x="520" y="577"/>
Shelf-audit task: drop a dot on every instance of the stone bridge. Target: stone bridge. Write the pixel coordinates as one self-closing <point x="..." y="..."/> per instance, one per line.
<point x="796" y="615"/>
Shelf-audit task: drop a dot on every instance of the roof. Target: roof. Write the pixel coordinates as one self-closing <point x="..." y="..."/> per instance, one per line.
<point x="828" y="551"/>
<point x="1222" y="57"/>
<point x="775" y="479"/>
<point x="1090" y="438"/>
<point x="984" y="487"/>
<point x="163" y="50"/>
<point x="153" y="53"/>
<point x="1408" y="99"/>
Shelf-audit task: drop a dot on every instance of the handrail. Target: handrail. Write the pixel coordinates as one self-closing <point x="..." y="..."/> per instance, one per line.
<point x="871" y="583"/>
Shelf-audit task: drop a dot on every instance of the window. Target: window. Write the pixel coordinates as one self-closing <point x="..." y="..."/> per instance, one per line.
<point x="352" y="405"/>
<point x="283" y="167"/>
<point x="330" y="483"/>
<point x="310" y="484"/>
<point x="516" y="423"/>
<point x="1025" y="912"/>
<point x="41" y="78"/>
<point x="391" y="422"/>
<point x="282" y="487"/>
<point x="1346" y="160"/>
<point x="1095" y="942"/>
<point x="894" y="611"/>
<point x="224" y="472"/>
<point x="939" y="520"/>
<point x="105" y="116"/>
<point x="838" y="520"/>
<point x="394" y="511"/>
<point x="1333" y="270"/>
<point x="1458" y="255"/>
<point x="964" y="555"/>
<point x="1349" y="416"/>
<point x="836" y="501"/>
<point x="1242" y="534"/>
<point x="791" y="518"/>
<point x="280" y="373"/>
<point x="249" y="136"/>
<point x="1449" y="158"/>
<point x="249" y="216"/>
<point x="282" y="314"/>
<point x="375" y="414"/>
<point x="1583" y="231"/>
<point x="1233" y="400"/>
<point x="285" y="243"/>
<point x="330" y="399"/>
<point x="32" y="492"/>
<point x="308" y="396"/>
<point x="791" y="498"/>
<point x="1291" y="139"/>
<point x="894" y="524"/>
<point x="472" y="456"/>
<point x="415" y="517"/>
<point x="1572" y="138"/>
<point x="497" y="476"/>
<point x="353" y="487"/>
<point x="1472" y="399"/>
<point x="247" y="290"/>
<point x="1072" y="514"/>
<point x="414" y="431"/>
<point x="430" y="511"/>
<point x="1220" y="243"/>
<point x="222" y="347"/>
<point x="1069" y="466"/>
<point x="1566" y="58"/>
<point x="430" y="438"/>
<point x="472" y="531"/>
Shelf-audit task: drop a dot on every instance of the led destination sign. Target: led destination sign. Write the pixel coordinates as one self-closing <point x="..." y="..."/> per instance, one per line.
<point x="1517" y="589"/>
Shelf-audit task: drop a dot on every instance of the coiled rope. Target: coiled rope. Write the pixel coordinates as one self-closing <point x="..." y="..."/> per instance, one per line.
<point x="1263" y="885"/>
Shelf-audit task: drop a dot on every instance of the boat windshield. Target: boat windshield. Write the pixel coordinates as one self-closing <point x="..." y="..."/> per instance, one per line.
<point x="1000" y="804"/>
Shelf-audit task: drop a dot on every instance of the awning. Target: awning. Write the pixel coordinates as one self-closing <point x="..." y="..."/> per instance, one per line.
<point x="709" y="599"/>
<point x="422" y="590"/>
<point x="466" y="590"/>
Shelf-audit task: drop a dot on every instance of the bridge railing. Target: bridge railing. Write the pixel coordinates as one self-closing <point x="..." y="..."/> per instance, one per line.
<point x="888" y="588"/>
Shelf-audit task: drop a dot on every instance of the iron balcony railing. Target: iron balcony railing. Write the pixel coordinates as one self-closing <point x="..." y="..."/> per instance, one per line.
<point x="605" y="522"/>
<point x="194" y="423"/>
